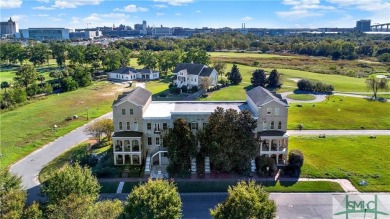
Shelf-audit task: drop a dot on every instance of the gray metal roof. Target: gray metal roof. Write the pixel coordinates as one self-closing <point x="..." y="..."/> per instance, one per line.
<point x="138" y="96"/>
<point x="206" y="72"/>
<point x="261" y="96"/>
<point x="192" y="69"/>
<point x="271" y="133"/>
<point x="127" y="134"/>
<point x="124" y="70"/>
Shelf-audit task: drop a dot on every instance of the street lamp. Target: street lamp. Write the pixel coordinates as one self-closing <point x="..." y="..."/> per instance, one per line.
<point x="86" y="108"/>
<point x="266" y="179"/>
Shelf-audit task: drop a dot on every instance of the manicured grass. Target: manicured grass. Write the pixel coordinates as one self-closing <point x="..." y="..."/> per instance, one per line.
<point x="222" y="186"/>
<point x="301" y="96"/>
<point x="161" y="87"/>
<point x="352" y="157"/>
<point x="340" y="113"/>
<point x="108" y="187"/>
<point x="28" y="127"/>
<point x="58" y="162"/>
<point x="237" y="92"/>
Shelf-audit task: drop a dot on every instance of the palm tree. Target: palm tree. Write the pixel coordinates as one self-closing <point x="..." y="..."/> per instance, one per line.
<point x="41" y="78"/>
<point x="5" y="85"/>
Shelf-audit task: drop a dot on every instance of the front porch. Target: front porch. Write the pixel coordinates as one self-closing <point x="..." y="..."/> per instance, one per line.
<point x="274" y="144"/>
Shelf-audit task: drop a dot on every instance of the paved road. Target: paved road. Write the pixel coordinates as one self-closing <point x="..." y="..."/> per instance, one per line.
<point x="318" y="98"/>
<point x="289" y="205"/>
<point x="338" y="132"/>
<point x="30" y="166"/>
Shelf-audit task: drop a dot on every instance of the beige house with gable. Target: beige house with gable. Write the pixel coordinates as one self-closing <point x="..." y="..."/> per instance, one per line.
<point x="138" y="122"/>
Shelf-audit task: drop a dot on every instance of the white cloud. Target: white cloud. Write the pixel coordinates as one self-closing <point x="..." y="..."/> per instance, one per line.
<point x="55" y="19"/>
<point x="176" y="2"/>
<point x="18" y="17"/>
<point x="246" y="18"/>
<point x="131" y="9"/>
<point x="42" y="8"/>
<point x="61" y="14"/>
<point x="198" y="11"/>
<point x="95" y="17"/>
<point x="74" y="3"/>
<point x="10" y="4"/>
<point x="43" y="1"/>
<point x="178" y="14"/>
<point x="158" y="14"/>
<point x="161" y="6"/>
<point x="43" y="15"/>
<point x="298" y="14"/>
<point x="364" y="5"/>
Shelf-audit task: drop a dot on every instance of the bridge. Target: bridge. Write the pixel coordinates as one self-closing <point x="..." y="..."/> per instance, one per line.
<point x="380" y="27"/>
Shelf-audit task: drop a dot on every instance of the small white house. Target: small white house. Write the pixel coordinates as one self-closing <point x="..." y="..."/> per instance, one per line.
<point x="129" y="74"/>
<point x="190" y="74"/>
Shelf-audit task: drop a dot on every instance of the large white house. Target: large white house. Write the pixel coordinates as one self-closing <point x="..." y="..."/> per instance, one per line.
<point x="190" y="74"/>
<point x="129" y="74"/>
<point x="138" y="122"/>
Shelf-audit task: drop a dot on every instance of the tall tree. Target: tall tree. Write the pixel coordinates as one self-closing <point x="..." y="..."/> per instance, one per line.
<point x="230" y="143"/>
<point x="112" y="59"/>
<point x="26" y="75"/>
<point x="234" y="75"/>
<point x="220" y="68"/>
<point x="41" y="78"/>
<point x="245" y="200"/>
<point x="157" y="199"/>
<point x="374" y="84"/>
<point x="39" y="53"/>
<point x="76" y="54"/>
<point x="5" y="85"/>
<point x="71" y="180"/>
<point x="93" y="53"/>
<point x="124" y="56"/>
<point x="11" y="195"/>
<point x="258" y="78"/>
<point x="274" y="79"/>
<point x="181" y="144"/>
<point x="59" y="50"/>
<point x="148" y="59"/>
<point x="197" y="56"/>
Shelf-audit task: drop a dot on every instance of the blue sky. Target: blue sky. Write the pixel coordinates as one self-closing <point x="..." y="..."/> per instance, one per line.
<point x="194" y="13"/>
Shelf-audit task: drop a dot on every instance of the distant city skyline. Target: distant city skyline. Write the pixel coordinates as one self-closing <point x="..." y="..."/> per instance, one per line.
<point x="194" y="14"/>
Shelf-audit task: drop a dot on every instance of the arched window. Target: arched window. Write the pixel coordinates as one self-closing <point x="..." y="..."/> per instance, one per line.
<point x="272" y="125"/>
<point x="280" y="125"/>
<point x="135" y="145"/>
<point x="128" y="126"/>
<point x="120" y="126"/>
<point x="118" y="145"/>
<point x="265" y="125"/>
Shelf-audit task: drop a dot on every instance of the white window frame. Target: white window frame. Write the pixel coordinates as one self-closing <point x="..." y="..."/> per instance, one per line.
<point x="265" y="124"/>
<point x="135" y="127"/>
<point x="157" y="140"/>
<point x="123" y="112"/>
<point x="277" y="111"/>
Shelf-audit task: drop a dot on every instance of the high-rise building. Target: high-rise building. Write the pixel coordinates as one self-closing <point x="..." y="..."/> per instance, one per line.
<point x="44" y="33"/>
<point x="9" y="27"/>
<point x="363" y="25"/>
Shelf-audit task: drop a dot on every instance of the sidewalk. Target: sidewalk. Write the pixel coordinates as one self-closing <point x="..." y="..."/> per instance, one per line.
<point x="344" y="183"/>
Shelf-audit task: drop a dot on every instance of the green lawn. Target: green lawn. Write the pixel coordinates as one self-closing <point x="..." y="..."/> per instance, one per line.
<point x="28" y="127"/>
<point x="340" y="113"/>
<point x="221" y="186"/>
<point x="301" y="96"/>
<point x="341" y="83"/>
<point x="58" y="162"/>
<point x="352" y="157"/>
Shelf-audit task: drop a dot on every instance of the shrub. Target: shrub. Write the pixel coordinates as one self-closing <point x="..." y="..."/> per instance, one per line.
<point x="295" y="162"/>
<point x="262" y="162"/>
<point x="184" y="88"/>
<point x="175" y="90"/>
<point x="170" y="85"/>
<point x="194" y="88"/>
<point x="307" y="85"/>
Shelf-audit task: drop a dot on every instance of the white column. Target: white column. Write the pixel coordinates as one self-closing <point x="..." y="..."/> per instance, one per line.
<point x="115" y="159"/>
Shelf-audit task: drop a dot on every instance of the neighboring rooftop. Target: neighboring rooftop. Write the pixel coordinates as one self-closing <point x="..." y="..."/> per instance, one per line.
<point x="138" y="96"/>
<point x="164" y="110"/>
<point x="261" y="96"/>
<point x="206" y="72"/>
<point x="124" y="70"/>
<point x="192" y="69"/>
<point x="127" y="134"/>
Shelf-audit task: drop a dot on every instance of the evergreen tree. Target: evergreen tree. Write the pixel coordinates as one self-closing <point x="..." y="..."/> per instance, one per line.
<point x="235" y="76"/>
<point x="258" y="78"/>
<point x="274" y="79"/>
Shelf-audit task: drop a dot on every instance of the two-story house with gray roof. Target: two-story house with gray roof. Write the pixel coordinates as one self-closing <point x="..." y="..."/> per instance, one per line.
<point x="138" y="122"/>
<point x="191" y="74"/>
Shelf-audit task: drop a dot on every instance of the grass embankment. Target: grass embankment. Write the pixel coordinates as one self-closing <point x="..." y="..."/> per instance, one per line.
<point x="71" y="154"/>
<point x="29" y="127"/>
<point x="352" y="157"/>
<point x="301" y="96"/>
<point x="340" y="113"/>
<point x="222" y="186"/>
